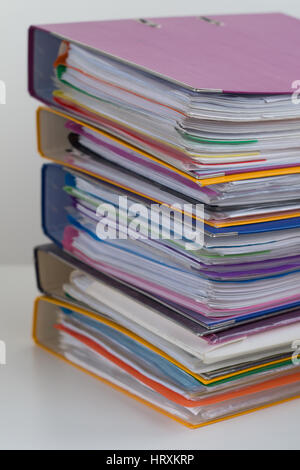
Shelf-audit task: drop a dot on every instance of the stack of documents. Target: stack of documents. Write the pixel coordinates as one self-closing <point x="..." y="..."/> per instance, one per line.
<point x="173" y="202"/>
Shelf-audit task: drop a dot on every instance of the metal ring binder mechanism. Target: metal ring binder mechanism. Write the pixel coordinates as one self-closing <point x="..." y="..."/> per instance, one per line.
<point x="200" y="329"/>
<point x="149" y="23"/>
<point x="210" y="20"/>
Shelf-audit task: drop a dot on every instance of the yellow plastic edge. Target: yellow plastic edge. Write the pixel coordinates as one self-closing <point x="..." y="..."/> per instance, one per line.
<point x="131" y="395"/>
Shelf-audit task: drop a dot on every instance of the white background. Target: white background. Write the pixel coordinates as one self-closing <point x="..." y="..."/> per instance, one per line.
<point x="43" y="402"/>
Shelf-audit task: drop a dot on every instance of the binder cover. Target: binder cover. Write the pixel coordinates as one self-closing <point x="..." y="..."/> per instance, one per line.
<point x="265" y="69"/>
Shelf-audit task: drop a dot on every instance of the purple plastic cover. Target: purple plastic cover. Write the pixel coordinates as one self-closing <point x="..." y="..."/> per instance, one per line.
<point x="197" y="52"/>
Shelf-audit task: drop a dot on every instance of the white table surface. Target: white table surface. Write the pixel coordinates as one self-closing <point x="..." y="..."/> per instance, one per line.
<point x="46" y="404"/>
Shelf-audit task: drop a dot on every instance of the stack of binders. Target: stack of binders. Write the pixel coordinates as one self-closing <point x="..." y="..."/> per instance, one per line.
<point x="173" y="207"/>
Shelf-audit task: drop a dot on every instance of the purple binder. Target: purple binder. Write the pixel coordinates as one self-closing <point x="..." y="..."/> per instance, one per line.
<point x="252" y="53"/>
